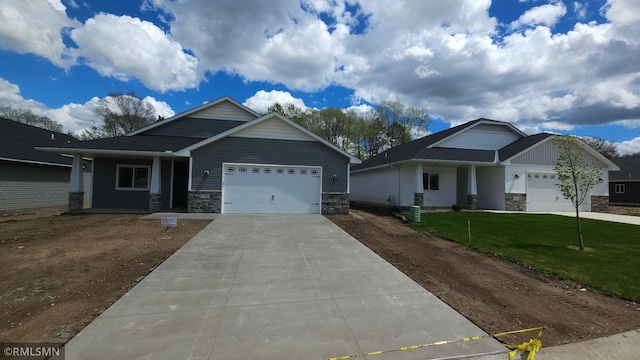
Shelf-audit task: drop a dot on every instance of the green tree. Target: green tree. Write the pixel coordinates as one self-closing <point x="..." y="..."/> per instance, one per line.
<point x="402" y="122"/>
<point x="290" y="111"/>
<point x="576" y="173"/>
<point x="123" y="113"/>
<point x="604" y="147"/>
<point x="26" y="116"/>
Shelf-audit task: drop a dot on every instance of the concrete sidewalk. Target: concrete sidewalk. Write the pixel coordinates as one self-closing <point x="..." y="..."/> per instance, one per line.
<point x="277" y="287"/>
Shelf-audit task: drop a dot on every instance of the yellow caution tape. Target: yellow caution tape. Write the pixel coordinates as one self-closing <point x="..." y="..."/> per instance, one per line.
<point x="532" y="346"/>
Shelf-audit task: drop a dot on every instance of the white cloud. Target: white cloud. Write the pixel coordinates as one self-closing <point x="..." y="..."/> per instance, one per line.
<point x="35" y="27"/>
<point x="261" y="100"/>
<point x="629" y="147"/>
<point x="622" y="11"/>
<point x="124" y="48"/>
<point x="548" y="15"/>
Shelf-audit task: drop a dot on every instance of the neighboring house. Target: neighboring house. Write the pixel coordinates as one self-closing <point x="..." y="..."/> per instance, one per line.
<point x="30" y="178"/>
<point x="482" y="164"/>
<point x="624" y="185"/>
<point x="218" y="157"/>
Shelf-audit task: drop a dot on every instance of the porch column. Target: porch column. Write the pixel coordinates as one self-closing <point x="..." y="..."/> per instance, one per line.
<point x="76" y="185"/>
<point x="155" y="192"/>
<point x="472" y="189"/>
<point x="418" y="195"/>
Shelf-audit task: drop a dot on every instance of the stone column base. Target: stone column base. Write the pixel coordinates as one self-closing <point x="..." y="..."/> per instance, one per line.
<point x="599" y="203"/>
<point x="155" y="202"/>
<point x="335" y="203"/>
<point x="76" y="201"/>
<point x="418" y="199"/>
<point x="472" y="202"/>
<point x="515" y="202"/>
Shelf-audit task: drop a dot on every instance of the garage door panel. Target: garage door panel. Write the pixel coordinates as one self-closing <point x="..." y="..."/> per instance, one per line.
<point x="271" y="189"/>
<point x="543" y="194"/>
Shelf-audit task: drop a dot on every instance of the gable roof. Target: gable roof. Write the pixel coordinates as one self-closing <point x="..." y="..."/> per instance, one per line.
<point x="629" y="169"/>
<point x="18" y="142"/>
<point x="150" y="145"/>
<point x="193" y="111"/>
<point x="187" y="150"/>
<point x="521" y="145"/>
<point x="426" y="148"/>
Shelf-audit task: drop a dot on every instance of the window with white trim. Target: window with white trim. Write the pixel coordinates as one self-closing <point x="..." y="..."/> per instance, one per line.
<point x="620" y="188"/>
<point x="133" y="177"/>
<point x="431" y="181"/>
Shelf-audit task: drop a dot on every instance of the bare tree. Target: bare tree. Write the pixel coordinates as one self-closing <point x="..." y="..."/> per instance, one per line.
<point x="576" y="173"/>
<point x="124" y="113"/>
<point x="604" y="147"/>
<point x="26" y="116"/>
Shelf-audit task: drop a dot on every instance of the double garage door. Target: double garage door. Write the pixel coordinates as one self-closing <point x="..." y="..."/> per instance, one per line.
<point x="257" y="189"/>
<point x="543" y="194"/>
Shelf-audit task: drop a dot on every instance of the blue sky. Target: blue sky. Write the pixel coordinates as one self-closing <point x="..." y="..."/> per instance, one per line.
<point x="543" y="65"/>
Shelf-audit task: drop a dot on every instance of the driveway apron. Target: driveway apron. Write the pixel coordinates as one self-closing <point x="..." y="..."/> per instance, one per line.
<point x="277" y="287"/>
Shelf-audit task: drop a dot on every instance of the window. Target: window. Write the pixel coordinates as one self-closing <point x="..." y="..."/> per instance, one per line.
<point x="255" y="170"/>
<point x="267" y="171"/>
<point x="431" y="181"/>
<point x="291" y="171"/>
<point x="303" y="171"/>
<point x="243" y="170"/>
<point x="231" y="169"/>
<point x="619" y="188"/>
<point x="314" y="172"/>
<point x="132" y="177"/>
<point x="279" y="171"/>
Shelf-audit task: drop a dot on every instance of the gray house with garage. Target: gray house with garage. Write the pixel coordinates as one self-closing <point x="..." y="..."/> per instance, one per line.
<point x="481" y="164"/>
<point x="221" y="157"/>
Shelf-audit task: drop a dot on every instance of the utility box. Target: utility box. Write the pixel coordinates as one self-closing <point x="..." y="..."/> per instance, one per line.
<point x="415" y="213"/>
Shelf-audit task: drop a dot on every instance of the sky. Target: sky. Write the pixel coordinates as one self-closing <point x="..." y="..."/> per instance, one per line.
<point x="569" y="67"/>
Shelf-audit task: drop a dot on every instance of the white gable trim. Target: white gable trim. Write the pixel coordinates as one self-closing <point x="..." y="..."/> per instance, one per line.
<point x="194" y="110"/>
<point x="481" y="122"/>
<point x="609" y="165"/>
<point x="187" y="151"/>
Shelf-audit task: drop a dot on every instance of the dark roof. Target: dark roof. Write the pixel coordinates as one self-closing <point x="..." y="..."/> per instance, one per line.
<point x="420" y="149"/>
<point x="151" y="143"/>
<point x="521" y="145"/>
<point x="629" y="168"/>
<point x="18" y="142"/>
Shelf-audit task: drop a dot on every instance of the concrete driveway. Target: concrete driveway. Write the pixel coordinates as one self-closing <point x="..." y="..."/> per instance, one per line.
<point x="277" y="287"/>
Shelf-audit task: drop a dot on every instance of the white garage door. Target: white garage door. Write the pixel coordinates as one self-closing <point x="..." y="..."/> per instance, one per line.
<point x="271" y="189"/>
<point x="544" y="195"/>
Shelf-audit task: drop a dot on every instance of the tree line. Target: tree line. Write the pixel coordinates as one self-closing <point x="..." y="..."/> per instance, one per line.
<point x="363" y="134"/>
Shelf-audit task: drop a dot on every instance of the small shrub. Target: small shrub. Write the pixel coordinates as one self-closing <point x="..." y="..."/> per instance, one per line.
<point x="456" y="207"/>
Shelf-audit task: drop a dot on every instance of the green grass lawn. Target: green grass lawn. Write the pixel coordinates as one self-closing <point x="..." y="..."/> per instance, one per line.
<point x="612" y="264"/>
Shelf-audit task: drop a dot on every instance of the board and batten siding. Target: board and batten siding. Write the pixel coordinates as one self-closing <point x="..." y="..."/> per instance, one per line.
<point x="376" y="186"/>
<point x="194" y="127"/>
<point x="273" y="128"/>
<point x="224" y="110"/>
<point x="28" y="186"/>
<point x="445" y="196"/>
<point x="261" y="151"/>
<point x="482" y="137"/>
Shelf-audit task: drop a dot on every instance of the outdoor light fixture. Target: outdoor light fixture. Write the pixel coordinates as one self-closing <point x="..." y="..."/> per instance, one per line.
<point x="334" y="178"/>
<point x="206" y="173"/>
<point x="516" y="176"/>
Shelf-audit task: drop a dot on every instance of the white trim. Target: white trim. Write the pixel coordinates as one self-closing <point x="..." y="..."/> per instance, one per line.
<point x="187" y="151"/>
<point x="93" y="168"/>
<point x="191" y="111"/>
<point x="134" y="166"/>
<point x="190" y="175"/>
<point x="35" y="162"/>
<point x="92" y="152"/>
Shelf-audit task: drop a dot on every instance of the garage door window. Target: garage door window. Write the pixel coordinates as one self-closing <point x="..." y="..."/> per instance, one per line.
<point x="132" y="177"/>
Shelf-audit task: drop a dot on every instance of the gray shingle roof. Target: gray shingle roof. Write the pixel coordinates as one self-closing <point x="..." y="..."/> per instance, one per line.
<point x="521" y="145"/>
<point x="18" y="142"/>
<point x="144" y="143"/>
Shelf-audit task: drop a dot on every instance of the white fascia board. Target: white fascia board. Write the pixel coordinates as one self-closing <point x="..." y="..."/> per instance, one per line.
<point x="191" y="111"/>
<point x="436" y="163"/>
<point x="93" y="152"/>
<point x="35" y="162"/>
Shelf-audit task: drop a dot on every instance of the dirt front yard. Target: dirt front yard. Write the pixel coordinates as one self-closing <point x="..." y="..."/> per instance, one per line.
<point x="495" y="294"/>
<point x="59" y="272"/>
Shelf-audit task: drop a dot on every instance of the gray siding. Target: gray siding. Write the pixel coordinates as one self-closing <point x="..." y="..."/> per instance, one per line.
<point x="267" y="151"/>
<point x="194" y="127"/>
<point x="483" y="137"/>
<point x="26" y="186"/>
<point x="105" y="195"/>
